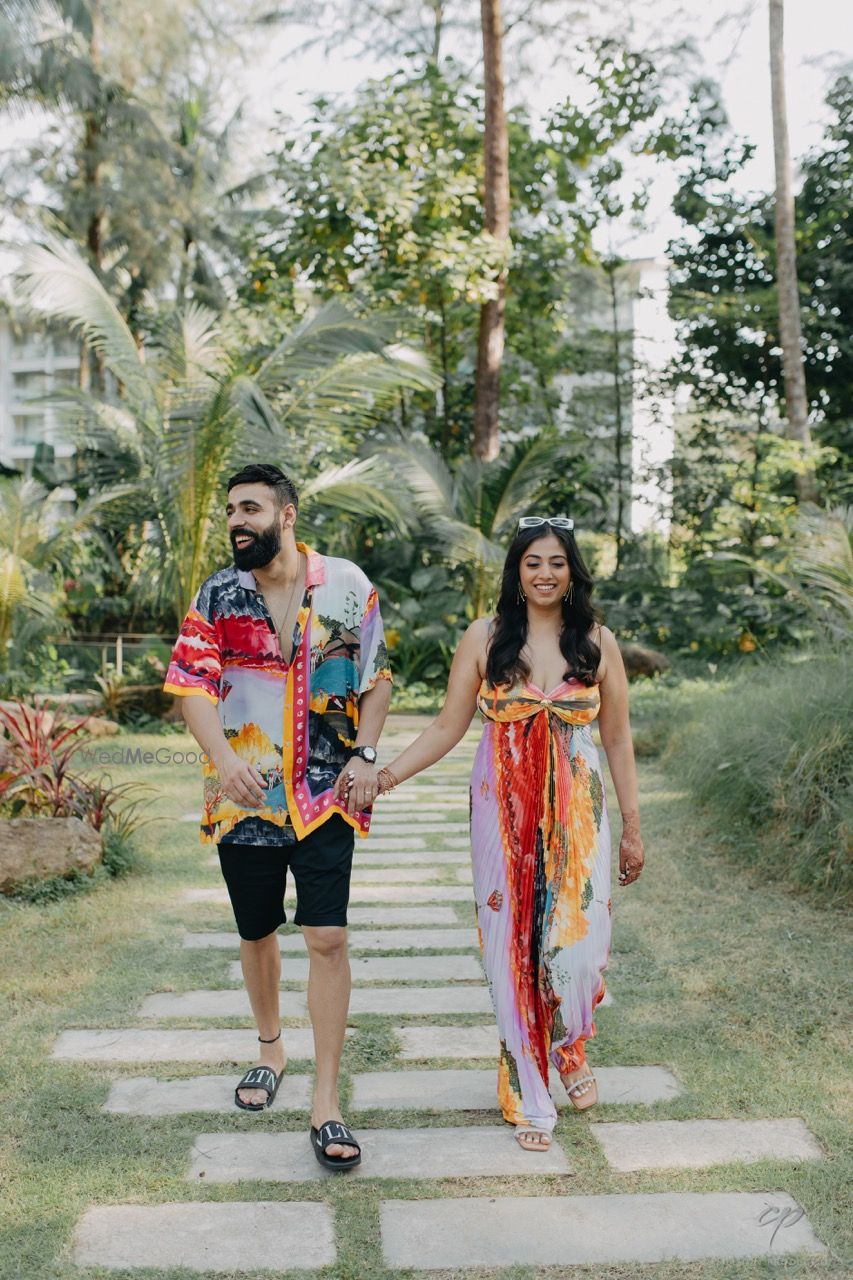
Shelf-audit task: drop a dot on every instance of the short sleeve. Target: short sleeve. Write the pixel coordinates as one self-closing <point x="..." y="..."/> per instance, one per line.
<point x="196" y="664"/>
<point x="373" y="660"/>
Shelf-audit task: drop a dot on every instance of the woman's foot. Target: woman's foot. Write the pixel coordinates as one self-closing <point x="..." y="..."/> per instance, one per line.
<point x="532" y="1139"/>
<point x="581" y="1087"/>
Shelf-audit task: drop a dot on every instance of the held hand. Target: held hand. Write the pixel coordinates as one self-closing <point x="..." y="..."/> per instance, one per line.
<point x="356" y="786"/>
<point x="631" y="854"/>
<point x="241" y="781"/>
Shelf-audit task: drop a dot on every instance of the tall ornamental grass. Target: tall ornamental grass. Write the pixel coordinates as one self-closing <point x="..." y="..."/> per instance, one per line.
<point x="769" y="752"/>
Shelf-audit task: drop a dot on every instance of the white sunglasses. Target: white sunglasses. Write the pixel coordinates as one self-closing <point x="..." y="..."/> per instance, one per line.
<point x="533" y="522"/>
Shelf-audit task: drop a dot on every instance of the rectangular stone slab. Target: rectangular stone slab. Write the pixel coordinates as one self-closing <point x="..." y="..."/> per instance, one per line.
<point x="359" y="940"/>
<point x="212" y="1237"/>
<point x="449" y="1090"/>
<point x="423" y="828"/>
<point x="131" y="1045"/>
<point x="698" y="1144"/>
<point x="421" y="875"/>
<point x="386" y="969"/>
<point x="469" y="1152"/>
<point x="360" y="894"/>
<point x="148" y="1096"/>
<point x="404" y="916"/>
<point x="388" y="855"/>
<point x="569" y="1230"/>
<point x="381" y="1000"/>
<point x="448" y="1042"/>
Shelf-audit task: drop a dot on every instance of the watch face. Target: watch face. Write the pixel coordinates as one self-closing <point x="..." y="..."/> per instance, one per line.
<point x="368" y="754"/>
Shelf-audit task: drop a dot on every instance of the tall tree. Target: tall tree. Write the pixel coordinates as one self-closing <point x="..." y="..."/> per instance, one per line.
<point x="490" y="344"/>
<point x="790" y="327"/>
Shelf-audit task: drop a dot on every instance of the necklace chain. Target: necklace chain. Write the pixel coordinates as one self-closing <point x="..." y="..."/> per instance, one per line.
<point x="278" y="626"/>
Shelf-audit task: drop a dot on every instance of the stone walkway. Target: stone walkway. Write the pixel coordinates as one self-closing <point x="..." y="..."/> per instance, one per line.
<point x="416" y="965"/>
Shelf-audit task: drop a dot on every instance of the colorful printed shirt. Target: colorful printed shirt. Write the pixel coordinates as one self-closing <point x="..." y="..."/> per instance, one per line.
<point x="295" y="721"/>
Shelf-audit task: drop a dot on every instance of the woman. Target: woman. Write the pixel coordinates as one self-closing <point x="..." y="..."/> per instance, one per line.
<point x="539" y="673"/>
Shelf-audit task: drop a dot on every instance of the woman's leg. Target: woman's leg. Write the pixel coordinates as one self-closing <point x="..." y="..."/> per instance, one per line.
<point x="522" y="1093"/>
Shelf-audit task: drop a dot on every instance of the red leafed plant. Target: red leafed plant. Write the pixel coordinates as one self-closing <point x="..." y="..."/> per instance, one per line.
<point x="37" y="767"/>
<point x="37" y="777"/>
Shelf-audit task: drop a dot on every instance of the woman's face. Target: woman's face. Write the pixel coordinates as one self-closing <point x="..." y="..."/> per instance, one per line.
<point x="544" y="571"/>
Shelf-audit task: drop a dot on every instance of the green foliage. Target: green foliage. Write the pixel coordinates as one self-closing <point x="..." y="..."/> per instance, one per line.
<point x="195" y="406"/>
<point x="723" y="293"/>
<point x="385" y="202"/>
<point x="768" y="752"/>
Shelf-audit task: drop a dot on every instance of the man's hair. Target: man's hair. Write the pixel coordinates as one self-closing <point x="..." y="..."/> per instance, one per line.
<point x="283" y="491"/>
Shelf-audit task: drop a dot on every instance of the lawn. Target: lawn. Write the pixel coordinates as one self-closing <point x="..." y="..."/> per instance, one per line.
<point x="738" y="986"/>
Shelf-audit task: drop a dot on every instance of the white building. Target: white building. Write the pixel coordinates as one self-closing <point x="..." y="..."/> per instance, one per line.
<point x="32" y="363"/>
<point x="626" y="313"/>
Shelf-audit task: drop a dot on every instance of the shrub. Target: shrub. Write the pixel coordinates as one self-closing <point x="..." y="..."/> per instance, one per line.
<point x="37" y="780"/>
<point x="769" y="751"/>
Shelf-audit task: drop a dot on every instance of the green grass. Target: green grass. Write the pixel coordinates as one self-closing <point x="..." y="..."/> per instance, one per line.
<point x="767" y="751"/>
<point x="732" y="982"/>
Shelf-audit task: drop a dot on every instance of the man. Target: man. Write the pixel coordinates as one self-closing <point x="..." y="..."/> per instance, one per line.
<point x="282" y="665"/>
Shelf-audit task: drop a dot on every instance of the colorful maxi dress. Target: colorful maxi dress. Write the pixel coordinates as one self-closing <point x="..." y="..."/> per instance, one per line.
<point x="540" y="844"/>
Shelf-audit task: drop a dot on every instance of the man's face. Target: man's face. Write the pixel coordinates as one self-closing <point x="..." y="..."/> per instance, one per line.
<point x="254" y="525"/>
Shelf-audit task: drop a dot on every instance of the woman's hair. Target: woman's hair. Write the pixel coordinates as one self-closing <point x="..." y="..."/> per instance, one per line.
<point x="504" y="664"/>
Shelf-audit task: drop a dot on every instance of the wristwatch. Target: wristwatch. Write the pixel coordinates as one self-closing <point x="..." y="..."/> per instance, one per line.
<point x="364" y="753"/>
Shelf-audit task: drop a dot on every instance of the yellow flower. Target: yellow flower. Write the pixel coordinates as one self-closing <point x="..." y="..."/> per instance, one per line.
<point x="694" y="645"/>
<point x="392" y="637"/>
<point x="747" y="644"/>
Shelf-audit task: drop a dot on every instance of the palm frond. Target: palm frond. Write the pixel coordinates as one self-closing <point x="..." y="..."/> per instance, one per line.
<point x="361" y="487"/>
<point x="54" y="281"/>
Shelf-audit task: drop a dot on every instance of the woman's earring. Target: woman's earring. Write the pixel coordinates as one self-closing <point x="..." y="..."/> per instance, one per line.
<point x="570" y="592"/>
<point x="521" y="597"/>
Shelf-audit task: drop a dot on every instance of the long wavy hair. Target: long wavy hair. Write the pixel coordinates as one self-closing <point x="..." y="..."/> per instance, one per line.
<point x="504" y="664"/>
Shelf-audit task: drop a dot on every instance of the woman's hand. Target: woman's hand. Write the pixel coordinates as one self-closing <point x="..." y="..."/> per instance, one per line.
<point x="631" y="855"/>
<point x="356" y="786"/>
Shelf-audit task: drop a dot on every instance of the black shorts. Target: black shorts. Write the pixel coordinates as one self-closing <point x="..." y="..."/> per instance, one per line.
<point x="256" y="876"/>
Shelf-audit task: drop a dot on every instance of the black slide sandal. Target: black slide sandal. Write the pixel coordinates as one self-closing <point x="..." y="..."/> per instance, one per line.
<point x="328" y="1135"/>
<point x="258" y="1078"/>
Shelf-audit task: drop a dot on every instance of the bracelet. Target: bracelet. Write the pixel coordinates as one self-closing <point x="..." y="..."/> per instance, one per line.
<point x="387" y="781"/>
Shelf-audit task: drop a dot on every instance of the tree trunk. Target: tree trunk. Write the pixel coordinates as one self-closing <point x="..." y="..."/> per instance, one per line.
<point x="93" y="133"/>
<point x="790" y="331"/>
<point x="496" y="149"/>
<point x="618" y="413"/>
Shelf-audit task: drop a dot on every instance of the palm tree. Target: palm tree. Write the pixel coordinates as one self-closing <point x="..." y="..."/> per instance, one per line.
<point x="790" y="328"/>
<point x="490" y="342"/>
<point x="469" y="512"/>
<point x="193" y="408"/>
<point x="37" y="537"/>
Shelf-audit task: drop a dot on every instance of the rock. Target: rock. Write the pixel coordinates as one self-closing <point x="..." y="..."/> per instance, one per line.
<point x="642" y="661"/>
<point x="99" y="727"/>
<point x="38" y="848"/>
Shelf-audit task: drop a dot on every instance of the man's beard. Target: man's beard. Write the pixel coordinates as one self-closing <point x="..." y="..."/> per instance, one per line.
<point x="261" y="551"/>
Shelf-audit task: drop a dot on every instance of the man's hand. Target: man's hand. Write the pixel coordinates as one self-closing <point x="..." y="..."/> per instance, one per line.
<point x="358" y="792"/>
<point x="241" y="781"/>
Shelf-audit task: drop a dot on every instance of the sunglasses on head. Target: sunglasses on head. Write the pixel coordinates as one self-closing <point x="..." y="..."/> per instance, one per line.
<point x="533" y="522"/>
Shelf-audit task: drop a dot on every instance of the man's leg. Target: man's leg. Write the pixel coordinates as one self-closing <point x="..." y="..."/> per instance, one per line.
<point x="329" y="983"/>
<point x="261" y="962"/>
<point x="256" y="876"/>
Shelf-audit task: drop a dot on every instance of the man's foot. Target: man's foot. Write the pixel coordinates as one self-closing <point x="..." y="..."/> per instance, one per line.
<point x="319" y="1116"/>
<point x="532" y="1139"/>
<point x="272" y="1056"/>
<point x="581" y="1087"/>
